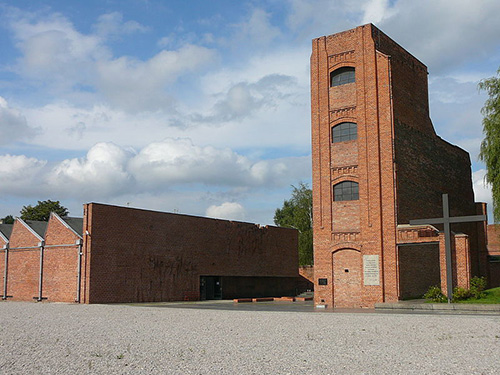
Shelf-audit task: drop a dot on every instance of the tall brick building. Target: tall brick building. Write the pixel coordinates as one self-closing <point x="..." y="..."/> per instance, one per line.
<point x="377" y="164"/>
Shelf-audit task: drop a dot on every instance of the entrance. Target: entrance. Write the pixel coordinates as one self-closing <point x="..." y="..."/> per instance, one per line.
<point x="346" y="278"/>
<point x="210" y="287"/>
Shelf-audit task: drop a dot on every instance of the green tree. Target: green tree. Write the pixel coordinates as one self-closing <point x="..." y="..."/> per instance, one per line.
<point x="297" y="213"/>
<point x="42" y="210"/>
<point x="490" y="146"/>
<point x="9" y="219"/>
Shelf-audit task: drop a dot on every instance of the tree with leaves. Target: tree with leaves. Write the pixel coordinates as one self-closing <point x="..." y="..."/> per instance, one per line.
<point x="42" y="210"/>
<point x="297" y="213"/>
<point x="490" y="146"/>
<point x="9" y="219"/>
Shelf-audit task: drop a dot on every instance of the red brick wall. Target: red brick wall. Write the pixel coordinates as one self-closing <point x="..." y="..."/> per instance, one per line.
<point x="402" y="166"/>
<point x="2" y="264"/>
<point x="418" y="269"/>
<point x="367" y="224"/>
<point x="494" y="239"/>
<point x="24" y="264"/>
<point x="494" y="250"/>
<point x="60" y="263"/>
<point x="139" y="255"/>
<point x="347" y="277"/>
<point x="494" y="280"/>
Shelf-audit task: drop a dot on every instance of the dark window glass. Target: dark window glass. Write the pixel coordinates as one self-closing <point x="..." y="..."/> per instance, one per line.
<point x="346" y="191"/>
<point x="342" y="76"/>
<point x="344" y="131"/>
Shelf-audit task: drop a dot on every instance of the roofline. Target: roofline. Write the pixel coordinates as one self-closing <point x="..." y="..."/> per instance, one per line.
<point x="65" y="224"/>
<point x="188" y="215"/>
<point x="29" y="228"/>
<point x="6" y="240"/>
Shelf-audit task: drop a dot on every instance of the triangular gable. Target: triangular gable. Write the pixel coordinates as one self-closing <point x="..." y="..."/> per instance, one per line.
<point x="74" y="224"/>
<point x="5" y="231"/>
<point x="37" y="228"/>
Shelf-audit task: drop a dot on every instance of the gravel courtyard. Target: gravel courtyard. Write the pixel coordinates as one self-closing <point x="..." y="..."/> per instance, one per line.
<point x="50" y="338"/>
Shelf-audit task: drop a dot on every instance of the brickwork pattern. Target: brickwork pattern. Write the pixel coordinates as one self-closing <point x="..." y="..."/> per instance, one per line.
<point x="418" y="269"/>
<point x="23" y="263"/>
<point x="401" y="165"/>
<point x="59" y="271"/>
<point x="133" y="255"/>
<point x="494" y="250"/>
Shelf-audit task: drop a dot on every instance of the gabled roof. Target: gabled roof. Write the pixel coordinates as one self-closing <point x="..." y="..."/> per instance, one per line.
<point x="75" y="223"/>
<point x="38" y="227"/>
<point x="6" y="230"/>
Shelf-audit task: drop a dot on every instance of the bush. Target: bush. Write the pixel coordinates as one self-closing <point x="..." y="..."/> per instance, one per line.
<point x="477" y="287"/>
<point x="460" y="294"/>
<point x="435" y="294"/>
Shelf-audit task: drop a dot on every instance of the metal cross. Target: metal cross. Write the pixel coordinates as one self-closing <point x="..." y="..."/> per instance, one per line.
<point x="447" y="220"/>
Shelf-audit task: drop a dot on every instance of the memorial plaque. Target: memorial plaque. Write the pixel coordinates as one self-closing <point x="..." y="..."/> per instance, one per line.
<point x="371" y="271"/>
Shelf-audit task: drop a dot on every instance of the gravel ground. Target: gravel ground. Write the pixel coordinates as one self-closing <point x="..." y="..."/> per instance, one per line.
<point x="50" y="338"/>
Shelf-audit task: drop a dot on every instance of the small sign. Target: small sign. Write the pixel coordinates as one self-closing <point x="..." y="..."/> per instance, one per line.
<point x="322" y="281"/>
<point x="371" y="271"/>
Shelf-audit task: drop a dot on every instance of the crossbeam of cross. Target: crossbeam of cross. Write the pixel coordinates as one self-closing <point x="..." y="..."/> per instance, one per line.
<point x="447" y="220"/>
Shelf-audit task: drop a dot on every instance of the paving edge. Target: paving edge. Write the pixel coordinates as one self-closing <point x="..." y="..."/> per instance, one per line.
<point x="493" y="308"/>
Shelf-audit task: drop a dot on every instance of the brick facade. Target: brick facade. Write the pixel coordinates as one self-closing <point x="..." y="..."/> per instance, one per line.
<point x="40" y="246"/>
<point x="117" y="254"/>
<point x="402" y="168"/>
<point x="132" y="255"/>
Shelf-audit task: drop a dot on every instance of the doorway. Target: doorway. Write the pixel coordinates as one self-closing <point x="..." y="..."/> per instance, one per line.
<point x="210" y="287"/>
<point x="346" y="278"/>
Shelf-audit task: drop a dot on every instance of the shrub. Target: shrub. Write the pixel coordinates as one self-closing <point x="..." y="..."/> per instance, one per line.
<point x="477" y="287"/>
<point x="460" y="294"/>
<point x="435" y="294"/>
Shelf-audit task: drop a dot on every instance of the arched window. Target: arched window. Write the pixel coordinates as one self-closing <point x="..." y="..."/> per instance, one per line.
<point x="346" y="191"/>
<point x="345" y="131"/>
<point x="342" y="76"/>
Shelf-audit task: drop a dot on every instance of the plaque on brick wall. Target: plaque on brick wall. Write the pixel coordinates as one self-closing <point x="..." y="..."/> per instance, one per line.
<point x="371" y="271"/>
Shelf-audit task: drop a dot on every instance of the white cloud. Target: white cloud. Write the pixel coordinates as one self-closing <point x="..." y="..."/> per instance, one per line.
<point x="64" y="60"/>
<point x="482" y="190"/>
<point x="101" y="173"/>
<point x="174" y="161"/>
<point x="109" y="170"/>
<point x="313" y="18"/>
<point x="136" y="85"/>
<point x="257" y="30"/>
<point x="112" y="24"/>
<point x="375" y="11"/>
<point x="13" y="125"/>
<point x="178" y="161"/>
<point x="55" y="52"/>
<point x="243" y="99"/>
<point x="446" y="33"/>
<point x="20" y="175"/>
<point x="227" y="210"/>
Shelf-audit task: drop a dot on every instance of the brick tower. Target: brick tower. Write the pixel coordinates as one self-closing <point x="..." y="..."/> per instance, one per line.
<point x="378" y="163"/>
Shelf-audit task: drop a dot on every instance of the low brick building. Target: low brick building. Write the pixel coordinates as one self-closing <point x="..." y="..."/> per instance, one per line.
<point x="118" y="254"/>
<point x="377" y="164"/>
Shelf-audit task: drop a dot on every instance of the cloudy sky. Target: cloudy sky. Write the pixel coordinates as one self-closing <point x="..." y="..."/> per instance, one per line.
<point x="202" y="107"/>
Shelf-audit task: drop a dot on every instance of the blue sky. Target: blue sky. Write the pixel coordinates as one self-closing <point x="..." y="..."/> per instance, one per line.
<point x="203" y="107"/>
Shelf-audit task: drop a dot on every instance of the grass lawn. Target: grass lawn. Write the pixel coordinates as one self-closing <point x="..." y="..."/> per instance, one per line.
<point x="492" y="296"/>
